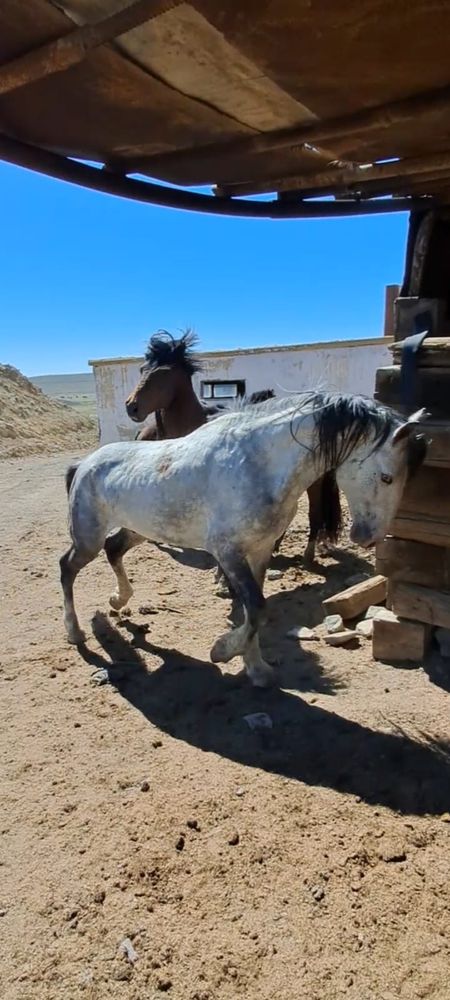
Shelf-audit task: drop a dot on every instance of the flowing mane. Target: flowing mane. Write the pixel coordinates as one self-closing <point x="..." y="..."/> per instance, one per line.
<point x="343" y="422"/>
<point x="164" y="351"/>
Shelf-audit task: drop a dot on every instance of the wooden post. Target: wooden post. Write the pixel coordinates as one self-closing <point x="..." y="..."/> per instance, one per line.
<point x="391" y="293"/>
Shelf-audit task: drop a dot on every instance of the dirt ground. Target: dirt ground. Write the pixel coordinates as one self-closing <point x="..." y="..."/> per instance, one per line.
<point x="309" y="861"/>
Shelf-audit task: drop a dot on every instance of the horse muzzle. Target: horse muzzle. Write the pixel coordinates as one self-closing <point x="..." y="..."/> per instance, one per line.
<point x="132" y="410"/>
<point x="362" y="534"/>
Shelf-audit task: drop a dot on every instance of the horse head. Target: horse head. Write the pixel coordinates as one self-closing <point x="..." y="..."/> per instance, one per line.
<point x="168" y="367"/>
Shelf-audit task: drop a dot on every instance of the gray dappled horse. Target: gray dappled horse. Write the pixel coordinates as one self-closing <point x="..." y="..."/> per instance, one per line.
<point x="231" y="489"/>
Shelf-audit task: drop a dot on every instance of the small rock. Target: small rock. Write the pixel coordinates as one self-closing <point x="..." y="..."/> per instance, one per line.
<point x="274" y="574"/>
<point x="164" y="985"/>
<point x="180" y="843"/>
<point x="258" y="720"/>
<point x="100" y="896"/>
<point x="156" y="744"/>
<point x="145" y="787"/>
<point x="333" y="624"/>
<point x="318" y="893"/>
<point x="240" y="792"/>
<point x="100" y="677"/>
<point x="234" y="839"/>
<point x="3" y="912"/>
<point x="146" y="609"/>
<point x="393" y="855"/>
<point x="126" y="949"/>
<point x="302" y="632"/>
<point x="374" y="611"/>
<point x="445" y="817"/>
<point x="193" y="824"/>
<point x="365" y="628"/>
<point x="340" y="638"/>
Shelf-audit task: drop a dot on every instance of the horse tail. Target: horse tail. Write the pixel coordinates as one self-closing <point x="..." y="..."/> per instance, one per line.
<point x="331" y="511"/>
<point x="69" y="476"/>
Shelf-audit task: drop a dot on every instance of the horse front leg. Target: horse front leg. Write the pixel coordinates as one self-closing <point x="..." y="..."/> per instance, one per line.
<point x="243" y="641"/>
<point x="315" y="520"/>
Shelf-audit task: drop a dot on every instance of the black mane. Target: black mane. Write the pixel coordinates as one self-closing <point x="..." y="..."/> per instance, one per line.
<point x="342" y="422"/>
<point x="164" y="351"/>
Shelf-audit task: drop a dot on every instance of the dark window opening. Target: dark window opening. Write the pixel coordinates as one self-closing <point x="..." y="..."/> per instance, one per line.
<point x="223" y="390"/>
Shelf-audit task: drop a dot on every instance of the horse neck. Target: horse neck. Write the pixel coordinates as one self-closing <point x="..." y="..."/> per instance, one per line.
<point x="288" y="448"/>
<point x="185" y="412"/>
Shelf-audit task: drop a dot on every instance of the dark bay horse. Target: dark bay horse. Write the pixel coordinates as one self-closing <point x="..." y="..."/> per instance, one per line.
<point x="165" y="389"/>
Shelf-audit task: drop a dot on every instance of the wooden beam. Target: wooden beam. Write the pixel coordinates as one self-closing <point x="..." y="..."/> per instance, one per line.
<point x="328" y="181"/>
<point x="61" y="53"/>
<point x="203" y="162"/>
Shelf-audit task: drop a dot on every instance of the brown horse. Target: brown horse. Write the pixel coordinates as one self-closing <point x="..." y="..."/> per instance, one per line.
<point x="165" y="389"/>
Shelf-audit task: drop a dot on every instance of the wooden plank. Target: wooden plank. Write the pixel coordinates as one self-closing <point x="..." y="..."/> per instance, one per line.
<point x="202" y="162"/>
<point x="60" y="53"/>
<point x="356" y="177"/>
<point x="427" y="494"/>
<point x="433" y="389"/>
<point x="434" y="353"/>
<point x="419" y="529"/>
<point x="413" y="562"/>
<point x="352" y="602"/>
<point x="410" y="600"/>
<point x="396" y="640"/>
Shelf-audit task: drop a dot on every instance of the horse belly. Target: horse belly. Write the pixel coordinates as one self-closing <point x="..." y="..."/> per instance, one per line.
<point x="161" y="515"/>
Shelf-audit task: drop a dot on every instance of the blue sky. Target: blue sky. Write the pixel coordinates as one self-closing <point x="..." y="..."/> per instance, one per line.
<point x="84" y="275"/>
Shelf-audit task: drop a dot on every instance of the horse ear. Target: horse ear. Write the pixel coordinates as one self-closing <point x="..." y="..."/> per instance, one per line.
<point x="405" y="429"/>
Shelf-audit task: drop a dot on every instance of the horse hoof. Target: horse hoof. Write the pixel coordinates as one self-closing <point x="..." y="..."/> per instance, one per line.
<point x="220" y="652"/>
<point x="117" y="602"/>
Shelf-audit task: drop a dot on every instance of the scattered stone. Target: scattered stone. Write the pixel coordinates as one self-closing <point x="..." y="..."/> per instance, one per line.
<point x="145" y="787"/>
<point x="156" y="744"/>
<point x="126" y="949"/>
<point x="445" y="817"/>
<point x="100" y="896"/>
<point x="274" y="574"/>
<point x="146" y="609"/>
<point x="240" y="792"/>
<point x="180" y="843"/>
<point x="234" y="839"/>
<point x="100" y="677"/>
<point x="333" y="624"/>
<point x="193" y="824"/>
<point x="393" y="855"/>
<point x="365" y="628"/>
<point x="318" y="893"/>
<point x="376" y="611"/>
<point x="164" y="985"/>
<point x="3" y="912"/>
<point x="302" y="632"/>
<point x="258" y="720"/>
<point x="340" y="638"/>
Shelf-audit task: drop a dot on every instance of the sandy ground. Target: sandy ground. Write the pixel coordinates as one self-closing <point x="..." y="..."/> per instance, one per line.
<point x="306" y="861"/>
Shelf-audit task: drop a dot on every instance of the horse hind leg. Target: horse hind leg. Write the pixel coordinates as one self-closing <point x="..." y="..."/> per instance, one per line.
<point x="70" y="564"/>
<point x="116" y="545"/>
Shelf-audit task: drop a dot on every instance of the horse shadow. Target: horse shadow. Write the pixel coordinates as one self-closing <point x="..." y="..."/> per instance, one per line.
<point x="195" y="702"/>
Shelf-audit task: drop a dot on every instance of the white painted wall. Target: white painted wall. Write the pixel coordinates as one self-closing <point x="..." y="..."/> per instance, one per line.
<point x="347" y="366"/>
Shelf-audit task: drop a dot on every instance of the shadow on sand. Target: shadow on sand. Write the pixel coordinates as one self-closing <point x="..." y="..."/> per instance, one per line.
<point x="195" y="702"/>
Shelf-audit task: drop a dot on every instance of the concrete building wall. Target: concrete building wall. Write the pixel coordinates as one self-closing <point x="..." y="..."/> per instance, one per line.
<point x="347" y="366"/>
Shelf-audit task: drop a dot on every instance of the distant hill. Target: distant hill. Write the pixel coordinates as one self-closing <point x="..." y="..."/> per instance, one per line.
<point x="77" y="391"/>
<point x="31" y="422"/>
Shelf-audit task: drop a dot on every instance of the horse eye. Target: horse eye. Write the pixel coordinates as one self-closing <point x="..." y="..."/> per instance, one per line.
<point x="385" y="478"/>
